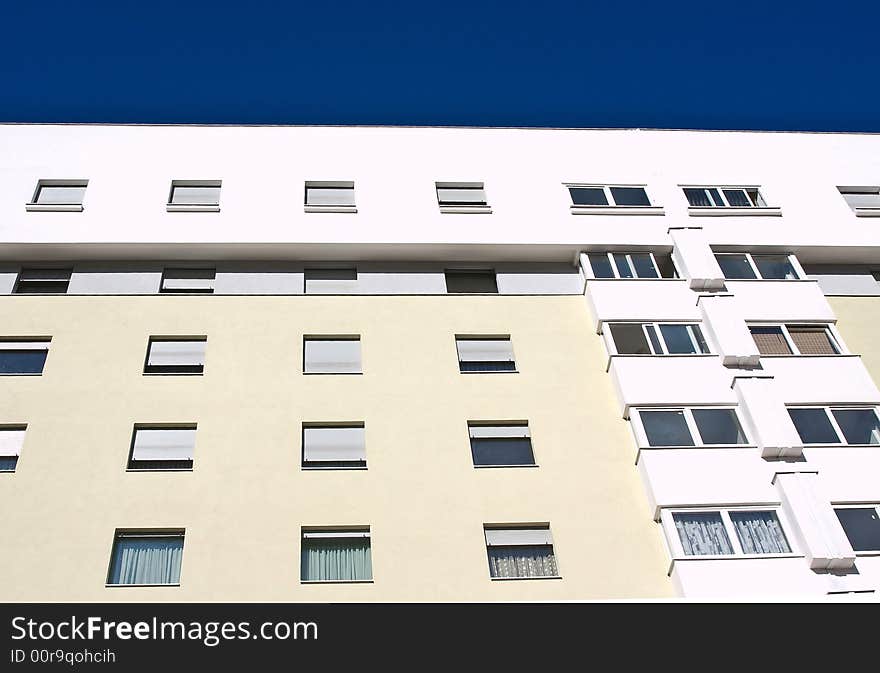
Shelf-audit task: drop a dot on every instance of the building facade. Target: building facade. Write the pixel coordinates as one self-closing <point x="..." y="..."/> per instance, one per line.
<point x="437" y="364"/>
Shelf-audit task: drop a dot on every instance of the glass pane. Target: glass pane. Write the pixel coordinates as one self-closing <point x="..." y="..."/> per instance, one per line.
<point x="655" y="340"/>
<point x="737" y="198"/>
<point x="8" y="463"/>
<point x="859" y="426"/>
<point x="22" y="362"/>
<point x="698" y="337"/>
<point x="862" y="527"/>
<point x="697" y="197"/>
<point x="622" y="264"/>
<point x="463" y="196"/>
<point x="735" y="266"/>
<point x="813" y="426"/>
<point x="198" y="196"/>
<point x="330" y="196"/>
<point x="702" y="533"/>
<point x="336" y="559"/>
<point x="719" y="426"/>
<point x="643" y="265"/>
<point x="812" y="340"/>
<point x="666" y="428"/>
<point x="862" y="199"/>
<point x="665" y="266"/>
<point x="471" y="282"/>
<point x="770" y="340"/>
<point x="760" y="533"/>
<point x="146" y="560"/>
<point x="756" y="198"/>
<point x="61" y="194"/>
<point x="588" y="196"/>
<point x="774" y="267"/>
<point x="502" y="451"/>
<point x="629" y="339"/>
<point x="678" y="339"/>
<point x="630" y="196"/>
<point x="522" y="561"/>
<point x="601" y="265"/>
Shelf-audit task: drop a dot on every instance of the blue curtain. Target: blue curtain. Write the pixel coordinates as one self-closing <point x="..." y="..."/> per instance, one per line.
<point x="145" y="560"/>
<point x="336" y="559"/>
<point x="522" y="561"/>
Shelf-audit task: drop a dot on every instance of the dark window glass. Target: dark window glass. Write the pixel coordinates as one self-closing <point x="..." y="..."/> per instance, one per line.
<point x="862" y="527"/>
<point x="588" y="196"/>
<point x="665" y="266"/>
<point x="643" y="264"/>
<point x="774" y="267"/>
<point x="655" y="340"/>
<point x="22" y="362"/>
<point x="678" y="339"/>
<point x="813" y="426"/>
<point x="737" y="198"/>
<point x="159" y="464"/>
<point x="629" y="339"/>
<point x="630" y="196"/>
<point x="859" y="426"/>
<point x="42" y="281"/>
<point x="488" y="366"/>
<point x="719" y="426"/>
<point x="666" y="428"/>
<point x="502" y="451"/>
<point x="622" y="264"/>
<point x="471" y="282"/>
<point x="8" y="463"/>
<point x="601" y="265"/>
<point x="735" y="267"/>
<point x="697" y="197"/>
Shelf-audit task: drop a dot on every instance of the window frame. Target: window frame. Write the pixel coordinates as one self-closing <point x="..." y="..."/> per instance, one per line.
<point x="121" y="533"/>
<point x="329" y="207"/>
<point x="691" y="423"/>
<point x="316" y="466"/>
<point x="164" y="277"/>
<point x="485" y="337"/>
<point x="759" y="203"/>
<point x="501" y="424"/>
<point x="612" y="345"/>
<point x="172" y="207"/>
<point x="131" y="463"/>
<point x="174" y="339"/>
<point x="485" y="271"/>
<point x="830" y="331"/>
<point x="792" y="260"/>
<point x="612" y="206"/>
<point x="35" y="206"/>
<point x="335" y="338"/>
<point x="16" y="288"/>
<point x="471" y="208"/>
<point x="521" y="526"/>
<point x="26" y="340"/>
<point x="676" y="549"/>
<point x="628" y="255"/>
<point x="849" y="505"/>
<point x="861" y="211"/>
<point x="340" y="532"/>
<point x="14" y="427"/>
<point x="828" y="409"/>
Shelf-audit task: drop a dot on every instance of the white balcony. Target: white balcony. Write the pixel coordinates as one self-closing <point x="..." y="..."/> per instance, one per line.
<point x="840" y="379"/>
<point x="780" y="300"/>
<point x="641" y="299"/>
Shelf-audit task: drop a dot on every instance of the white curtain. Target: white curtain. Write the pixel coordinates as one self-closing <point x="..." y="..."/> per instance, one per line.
<point x="702" y="533"/>
<point x="522" y="561"/>
<point x="147" y="561"/>
<point x="336" y="559"/>
<point x="760" y="533"/>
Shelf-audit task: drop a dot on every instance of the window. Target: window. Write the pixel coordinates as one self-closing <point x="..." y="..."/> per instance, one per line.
<point x="141" y="558"/>
<point x="631" y="265"/>
<point x="484" y="354"/>
<point x="59" y="195"/>
<point x="733" y="532"/>
<point x="465" y="197"/>
<point x="691" y="426"/>
<point x="175" y="356"/>
<point x="330" y="196"/>
<point x="195" y="195"/>
<point x="332" y="355"/>
<point x="836" y="425"/>
<point x="500" y="444"/>
<point x="188" y="281"/>
<point x="863" y="200"/>
<point x="724" y="197"/>
<point x="586" y="196"/>
<point x="471" y="282"/>
<point x="334" y="446"/>
<point x="330" y="281"/>
<point x="11" y="441"/>
<point x="862" y="526"/>
<point x="657" y="339"/>
<point x="520" y="552"/>
<point x="794" y="340"/>
<point x="162" y="448"/>
<point x="42" y="281"/>
<point x="336" y="555"/>
<point x="23" y="357"/>
<point x="745" y="266"/>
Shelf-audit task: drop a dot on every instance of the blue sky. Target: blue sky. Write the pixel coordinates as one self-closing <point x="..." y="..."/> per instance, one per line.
<point x="747" y="64"/>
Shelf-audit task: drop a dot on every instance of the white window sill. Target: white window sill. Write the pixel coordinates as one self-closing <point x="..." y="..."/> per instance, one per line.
<point x="499" y="371"/>
<point x="490" y="467"/>
<point x="53" y="207"/>
<point x="629" y="280"/>
<point x="871" y="552"/>
<point x="336" y="581"/>
<point x="473" y="210"/>
<point x="699" y="446"/>
<point x="728" y="211"/>
<point x="770" y="280"/>
<point x="867" y="211"/>
<point x="734" y="557"/>
<point x="664" y="355"/>
<point x="617" y="210"/>
<point x="333" y="373"/>
<point x="807" y="356"/>
<point x="519" y="579"/>
<point x="330" y="209"/>
<point x="191" y="208"/>
<point x="113" y="586"/>
<point x="333" y="467"/>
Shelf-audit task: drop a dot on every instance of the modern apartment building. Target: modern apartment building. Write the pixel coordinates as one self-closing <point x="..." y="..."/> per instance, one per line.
<point x="437" y="364"/>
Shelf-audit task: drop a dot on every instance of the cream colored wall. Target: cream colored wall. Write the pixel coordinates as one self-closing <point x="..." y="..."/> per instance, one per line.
<point x="244" y="503"/>
<point x="857" y="321"/>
